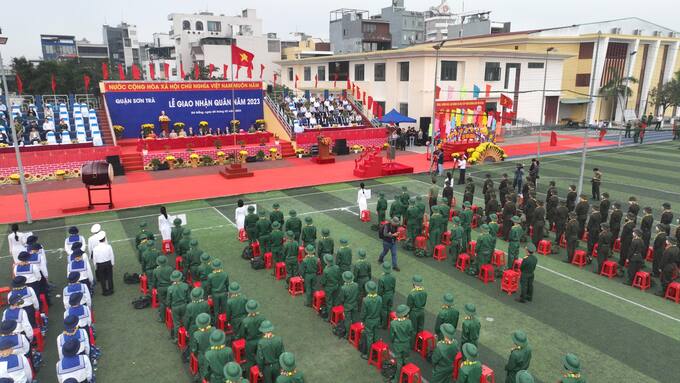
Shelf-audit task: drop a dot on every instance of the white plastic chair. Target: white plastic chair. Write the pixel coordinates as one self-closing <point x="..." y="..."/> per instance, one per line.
<point x="51" y="138"/>
<point x="97" y="138"/>
<point x="82" y="138"/>
<point x="63" y="114"/>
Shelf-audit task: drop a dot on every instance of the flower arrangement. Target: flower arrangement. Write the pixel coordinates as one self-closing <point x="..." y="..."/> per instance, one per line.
<point x="178" y="126"/>
<point x="386" y="145"/>
<point x="170" y="158"/>
<point x="243" y="152"/>
<point x="203" y="123"/>
<point x="273" y="150"/>
<point x="147" y="129"/>
<point x="221" y="154"/>
<point x="235" y="125"/>
<point x="323" y="140"/>
<point x="59" y="174"/>
<point x="3" y="145"/>
<point x="14" y="178"/>
<point x="194" y="156"/>
<point x="455" y="155"/>
<point x="163" y="118"/>
<point x="357" y="148"/>
<point x="118" y="130"/>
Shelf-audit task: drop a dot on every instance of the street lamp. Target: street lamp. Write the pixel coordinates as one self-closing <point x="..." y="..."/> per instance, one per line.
<point x="545" y="78"/>
<point x="436" y="47"/>
<point x="625" y="102"/>
<point x="17" y="153"/>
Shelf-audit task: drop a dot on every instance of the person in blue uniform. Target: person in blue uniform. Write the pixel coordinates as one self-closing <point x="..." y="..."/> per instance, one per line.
<point x="73" y="365"/>
<point x="14" y="367"/>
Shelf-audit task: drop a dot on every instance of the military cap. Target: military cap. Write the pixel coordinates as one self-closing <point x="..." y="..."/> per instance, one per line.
<point x="197" y="292"/>
<point x="292" y="213"/>
<point x="73" y="230"/>
<point x="343" y="241"/>
<point x="142" y="225"/>
<point x="308" y="220"/>
<point x="448" y="298"/>
<point x="261" y="213"/>
<point x="571" y="363"/>
<point x="361" y="253"/>
<point x="275" y="206"/>
<point x="467" y="204"/>
<point x="290" y="234"/>
<point x="232" y="371"/>
<point x="287" y="361"/>
<point x="402" y="311"/>
<point x="325" y="232"/>
<point x="519" y="338"/>
<point x="516" y="219"/>
<point x="456" y="220"/>
<point x="70" y="347"/>
<point x="216" y="264"/>
<point x="177" y="222"/>
<point x="417" y="280"/>
<point x="666" y="205"/>
<point x="328" y="259"/>
<point x="276" y="225"/>
<point x="347" y="276"/>
<point x="217" y="338"/>
<point x="205" y="257"/>
<point x="470" y="309"/>
<point x="523" y="376"/>
<point x="387" y="267"/>
<point x="531" y="248"/>
<point x="251" y="209"/>
<point x="24" y="256"/>
<point x="493" y="217"/>
<point x="309" y="249"/>
<point x="371" y="287"/>
<point x="193" y="242"/>
<point x="161" y="260"/>
<point x="266" y="326"/>
<point x="470" y="351"/>
<point x="70" y="322"/>
<point x="234" y="287"/>
<point x="203" y="320"/>
<point x="252" y="306"/>
<point x="20" y="280"/>
<point x="448" y="330"/>
<point x="96" y="228"/>
<point x="395" y="221"/>
<point x="176" y="276"/>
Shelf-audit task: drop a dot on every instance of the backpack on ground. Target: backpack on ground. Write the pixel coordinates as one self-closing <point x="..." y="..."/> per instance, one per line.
<point x="339" y="330"/>
<point x="131" y="279"/>
<point x="389" y="369"/>
<point x="257" y="263"/>
<point x="323" y="312"/>
<point x="419" y="253"/>
<point x="142" y="302"/>
<point x="247" y="253"/>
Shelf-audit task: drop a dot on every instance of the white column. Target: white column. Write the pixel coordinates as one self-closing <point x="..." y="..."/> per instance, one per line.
<point x="671" y="59"/>
<point x="597" y="70"/>
<point x="649" y="71"/>
<point x="630" y="66"/>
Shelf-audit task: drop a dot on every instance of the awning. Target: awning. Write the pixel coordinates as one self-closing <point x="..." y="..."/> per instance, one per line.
<point x="572" y="101"/>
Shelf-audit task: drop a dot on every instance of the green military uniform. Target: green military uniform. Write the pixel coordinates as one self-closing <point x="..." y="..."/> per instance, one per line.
<point x="469" y="331"/>
<point x="572" y="364"/>
<point x="250" y="224"/>
<point x="196" y="307"/>
<point x="344" y="256"/>
<point x="493" y="230"/>
<point x="263" y="229"/>
<point x="308" y="269"/>
<point x="184" y="245"/>
<point x="466" y="222"/>
<point x="204" y="269"/>
<point x="176" y="233"/>
<point x="330" y="281"/>
<point x="233" y="372"/>
<point x="447" y="314"/>
<point x="289" y="374"/>
<point x="420" y="205"/>
<point x="404" y="197"/>
<point x="435" y="229"/>
<point x="325" y="245"/>
<point x="200" y="343"/>
<point x="416" y="301"/>
<point x="401" y="337"/>
<point x="396" y="208"/>
<point x="470" y="370"/>
<point x="526" y="279"/>
<point x="250" y="331"/>
<point x="444" y="354"/>
<point x="308" y="235"/>
<point x="370" y="315"/>
<point x="362" y="271"/>
<point x="269" y="349"/>
<point x="414" y="226"/>
<point x="524" y="376"/>
<point x="520" y="356"/>
<point x="604" y="241"/>
<point x="142" y="236"/>
<point x="515" y="237"/>
<point x="216" y="286"/>
<point x="217" y="357"/>
<point x="457" y="241"/>
<point x="381" y="207"/>
<point x="349" y="299"/>
<point x="276" y="242"/>
<point x="177" y="299"/>
<point x="193" y="259"/>
<point x="141" y="247"/>
<point x="386" y="287"/>
<point x="160" y="280"/>
<point x="484" y="250"/>
<point x="293" y="224"/>
<point x="149" y="257"/>
<point x="276" y="215"/>
<point x="290" y="253"/>
<point x="236" y="307"/>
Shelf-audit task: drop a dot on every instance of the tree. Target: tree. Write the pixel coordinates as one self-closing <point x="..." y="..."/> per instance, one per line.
<point x="617" y="89"/>
<point x="665" y="96"/>
<point x="68" y="75"/>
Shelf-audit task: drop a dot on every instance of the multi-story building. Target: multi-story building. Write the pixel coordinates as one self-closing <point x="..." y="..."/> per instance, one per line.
<point x="406" y="27"/>
<point x="92" y="51"/>
<point x="159" y="53"/>
<point x="304" y="46"/>
<point x="437" y="20"/>
<point x="58" y="47"/>
<point x="353" y="31"/>
<point x="123" y="44"/>
<point x="476" y="24"/>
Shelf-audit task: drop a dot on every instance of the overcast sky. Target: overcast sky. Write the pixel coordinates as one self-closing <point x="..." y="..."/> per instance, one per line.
<point x="23" y="22"/>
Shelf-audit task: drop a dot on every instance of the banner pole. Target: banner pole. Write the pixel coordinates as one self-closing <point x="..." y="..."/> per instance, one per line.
<point x="233" y="106"/>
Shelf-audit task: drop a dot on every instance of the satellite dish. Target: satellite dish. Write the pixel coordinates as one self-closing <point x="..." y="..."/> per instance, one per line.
<point x="445" y="8"/>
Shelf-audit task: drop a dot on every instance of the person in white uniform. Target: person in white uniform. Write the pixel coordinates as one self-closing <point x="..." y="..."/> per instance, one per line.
<point x="15" y="367"/>
<point x="72" y="331"/>
<point x="17" y="242"/>
<point x="362" y="197"/>
<point x="73" y="237"/>
<point x="104" y="259"/>
<point x="240" y="214"/>
<point x="164" y="225"/>
<point x="92" y="240"/>
<point x="9" y="329"/>
<point x="73" y="365"/>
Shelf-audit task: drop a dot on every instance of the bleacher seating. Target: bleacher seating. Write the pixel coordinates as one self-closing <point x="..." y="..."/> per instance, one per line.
<point x="313" y="112"/>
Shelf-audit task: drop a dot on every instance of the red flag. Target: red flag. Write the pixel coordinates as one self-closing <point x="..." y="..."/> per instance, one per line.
<point x="181" y="71"/>
<point x="369" y="104"/>
<point x="211" y="68"/>
<point x="86" y="80"/>
<point x="261" y="70"/>
<point x="241" y="57"/>
<point x="316" y="80"/>
<point x="105" y="71"/>
<point x="224" y="70"/>
<point x="487" y="91"/>
<point x="121" y="72"/>
<point x="335" y="80"/>
<point x="437" y="91"/>
<point x="166" y="71"/>
<point x="506" y="101"/>
<point x="358" y="92"/>
<point x="349" y="84"/>
<point x="296" y="80"/>
<point x="374" y="108"/>
<point x="136" y="75"/>
<point x="275" y="77"/>
<point x="20" y="85"/>
<point x="197" y="71"/>
<point x="363" y="99"/>
<point x="54" y="84"/>
<point x="380" y="111"/>
<point x="238" y="68"/>
<point x="354" y="87"/>
<point x="152" y="70"/>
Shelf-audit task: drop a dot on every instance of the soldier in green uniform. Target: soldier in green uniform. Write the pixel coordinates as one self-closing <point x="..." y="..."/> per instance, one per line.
<point x="526" y="279"/>
<point x="381" y="207"/>
<point x="233" y="372"/>
<point x="308" y="236"/>
<point x="216" y="285"/>
<point x="141" y="247"/>
<point x="276" y="242"/>
<point x="515" y="237"/>
<point x="250" y="224"/>
<point x="330" y="281"/>
<point x="435" y="229"/>
<point x="276" y="215"/>
<point x="582" y="209"/>
<point x="250" y="331"/>
<point x="176" y="233"/>
<point x="447" y="314"/>
<point x="217" y="357"/>
<point x="193" y="259"/>
<point x="386" y="287"/>
<point x="469" y="331"/>
<point x="344" y="256"/>
<point x="370" y="316"/>
<point x="404" y="197"/>
<point x="484" y="250"/>
<point x="204" y="269"/>
<point x="571" y="236"/>
<point x="143" y="234"/>
<point x="289" y="374"/>
<point x="444" y="354"/>
<point x="469" y="193"/>
<point x="200" y="343"/>
<point x="294" y="224"/>
<point x="457" y="246"/>
<point x="401" y="337"/>
<point x="421" y="206"/>
<point x="349" y="299"/>
<point x="269" y="349"/>
<point x="160" y="280"/>
<point x="520" y="356"/>
<point x="561" y="215"/>
<point x="493" y="230"/>
<point x="396" y="208"/>
<point x="149" y="257"/>
<point x="308" y="268"/>
<point x="524" y="376"/>
<point x="416" y="301"/>
<point x="236" y="307"/>
<point x="183" y="246"/>
<point x="177" y="299"/>
<point x="604" y="241"/>
<point x="646" y="225"/>
<point x="572" y="364"/>
<point x="264" y="227"/>
<point x="466" y="222"/>
<point x="325" y="245"/>
<point x="471" y="369"/>
<point x="290" y="253"/>
<point x="196" y="307"/>
<point x="413" y="228"/>
<point x="361" y="271"/>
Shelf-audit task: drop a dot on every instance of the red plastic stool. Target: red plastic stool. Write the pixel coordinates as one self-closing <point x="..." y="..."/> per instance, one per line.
<point x="182" y="338"/>
<point x="221" y="321"/>
<point x="193" y="364"/>
<point x="510" y="281"/>
<point x="585" y="236"/>
<point x="301" y="253"/>
<point x="544" y="247"/>
<point x="446" y="238"/>
<point x="144" y="284"/>
<point x="439" y="253"/>
<point x="471" y="248"/>
<point x="256" y="248"/>
<point x="393" y="316"/>
<point x="486" y="273"/>
<point x="355" y="331"/>
<point x="379" y="352"/>
<point x="166" y="247"/>
<point x="168" y="318"/>
<point x="410" y="373"/>
<point x="424" y="343"/>
<point x="474" y="209"/>
<point x="456" y="364"/>
<point x="44" y="307"/>
<point x="4" y="291"/>
<point x="318" y="300"/>
<point x="475" y="221"/>
<point x="650" y="255"/>
<point x="154" y="298"/>
<point x="255" y="375"/>
<point x="487" y="375"/>
<point x="268" y="260"/>
<point x="594" y="253"/>
<point x="463" y="261"/>
<point x="498" y="258"/>
<point x="280" y="272"/>
<point x="296" y="286"/>
<point x="426" y="229"/>
<point x="673" y="292"/>
<point x="617" y="245"/>
<point x="178" y="263"/>
<point x="38" y="319"/>
<point x="642" y="280"/>
<point x="242" y="235"/>
<point x="337" y="314"/>
<point x="38" y="339"/>
<point x="517" y="265"/>
<point x="211" y="303"/>
<point x="563" y="241"/>
<point x="365" y="216"/>
<point x="401" y="233"/>
<point x="609" y="269"/>
<point x="420" y="242"/>
<point x="579" y="258"/>
<point x="239" y="348"/>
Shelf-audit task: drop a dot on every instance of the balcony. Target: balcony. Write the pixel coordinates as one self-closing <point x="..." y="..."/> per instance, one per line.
<point x="378" y="37"/>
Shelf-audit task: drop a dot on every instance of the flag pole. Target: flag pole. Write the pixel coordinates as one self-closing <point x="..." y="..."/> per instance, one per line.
<point x="233" y="106"/>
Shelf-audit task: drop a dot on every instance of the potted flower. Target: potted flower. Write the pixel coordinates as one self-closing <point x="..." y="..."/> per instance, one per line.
<point x="203" y="127"/>
<point x="59" y="174"/>
<point x="170" y="159"/>
<point x="273" y="152"/>
<point x="147" y="129"/>
<point x="194" y="160"/>
<point x="178" y="126"/>
<point x="235" y="125"/>
<point x="118" y="130"/>
<point x="242" y="156"/>
<point x="260" y="155"/>
<point x="386" y="146"/>
<point x="220" y="157"/>
<point x="300" y="152"/>
<point x="14" y="178"/>
<point x="356" y="148"/>
<point x="164" y="121"/>
<point x="259" y="124"/>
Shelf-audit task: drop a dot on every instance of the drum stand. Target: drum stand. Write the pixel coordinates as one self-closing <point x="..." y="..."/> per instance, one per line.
<point x="90" y="189"/>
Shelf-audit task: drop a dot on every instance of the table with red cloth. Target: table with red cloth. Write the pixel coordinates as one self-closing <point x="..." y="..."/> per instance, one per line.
<point x="310" y="137"/>
<point x="202" y="141"/>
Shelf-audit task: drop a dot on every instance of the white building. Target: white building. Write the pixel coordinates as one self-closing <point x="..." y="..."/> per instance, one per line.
<point x="206" y="38"/>
<point x="159" y="52"/>
<point x="123" y="44"/>
<point x="437" y="21"/>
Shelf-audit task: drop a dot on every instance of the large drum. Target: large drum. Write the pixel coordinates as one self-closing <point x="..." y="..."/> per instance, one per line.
<point x="96" y="173"/>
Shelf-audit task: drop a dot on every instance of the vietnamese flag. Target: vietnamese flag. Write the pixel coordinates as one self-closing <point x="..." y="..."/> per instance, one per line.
<point x="152" y="71"/>
<point x="349" y="84"/>
<point x="487" y="91"/>
<point x="121" y="72"/>
<point x="296" y="80"/>
<point x="261" y="70"/>
<point x="335" y="80"/>
<point x="437" y="91"/>
<point x="86" y="80"/>
<point x="135" y="72"/>
<point x="197" y="71"/>
<point x="224" y="70"/>
<point x="105" y="71"/>
<point x="20" y="84"/>
<point x="275" y="77"/>
<point x="181" y="71"/>
<point x="166" y="70"/>
<point x="211" y="68"/>
<point x="370" y="102"/>
<point x="363" y="100"/>
<point x="242" y="58"/>
<point x="54" y="84"/>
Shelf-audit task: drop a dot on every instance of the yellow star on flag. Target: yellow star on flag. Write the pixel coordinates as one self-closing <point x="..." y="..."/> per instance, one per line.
<point x="244" y="57"/>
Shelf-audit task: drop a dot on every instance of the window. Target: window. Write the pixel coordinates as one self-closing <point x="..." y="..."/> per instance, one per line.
<point x="403" y="71"/>
<point x="186" y="25"/>
<point x="583" y="79"/>
<point x="307" y="73"/>
<point x="338" y="70"/>
<point x="199" y="25"/>
<point x="449" y="71"/>
<point x="290" y="74"/>
<point x="379" y="72"/>
<point x="368" y="28"/>
<point x="585" y="50"/>
<point x="536" y="65"/>
<point x="214" y="26"/>
<point x="403" y="108"/>
<point x="321" y="73"/>
<point x="492" y="72"/>
<point x="273" y="46"/>
<point x="359" y="72"/>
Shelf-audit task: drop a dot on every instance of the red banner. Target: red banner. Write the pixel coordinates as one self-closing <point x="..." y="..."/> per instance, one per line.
<point x="261" y="70"/>
<point x="152" y="70"/>
<point x="136" y="75"/>
<point x="141" y="86"/>
<point x="54" y="84"/>
<point x="166" y="70"/>
<point x="211" y="69"/>
<point x="225" y="69"/>
<point x="86" y="80"/>
<point x="121" y="72"/>
<point x="443" y="106"/>
<point x="506" y="101"/>
<point x="20" y="85"/>
<point x="105" y="71"/>
<point x="181" y="71"/>
<point x="297" y="78"/>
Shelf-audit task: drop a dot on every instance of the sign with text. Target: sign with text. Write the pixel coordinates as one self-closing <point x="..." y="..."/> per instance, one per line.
<point x="133" y="103"/>
<point x="447" y="106"/>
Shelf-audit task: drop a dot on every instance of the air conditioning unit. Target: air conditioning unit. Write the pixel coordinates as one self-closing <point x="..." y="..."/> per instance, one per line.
<point x="637" y="32"/>
<point x="658" y="33"/>
<point x="616" y="31"/>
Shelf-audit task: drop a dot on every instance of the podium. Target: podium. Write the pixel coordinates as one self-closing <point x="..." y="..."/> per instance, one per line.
<point x="325" y="156"/>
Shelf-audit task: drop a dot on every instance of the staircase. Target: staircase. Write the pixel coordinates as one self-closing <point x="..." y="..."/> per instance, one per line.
<point x="130" y="158"/>
<point x="104" y="126"/>
<point x="369" y="164"/>
<point x="236" y="171"/>
<point x="286" y="149"/>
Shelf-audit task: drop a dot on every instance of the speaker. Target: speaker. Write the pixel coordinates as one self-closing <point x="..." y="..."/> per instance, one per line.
<point x="340" y="147"/>
<point x="117" y="166"/>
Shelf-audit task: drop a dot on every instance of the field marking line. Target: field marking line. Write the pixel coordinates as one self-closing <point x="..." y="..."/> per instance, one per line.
<point x="225" y="217"/>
